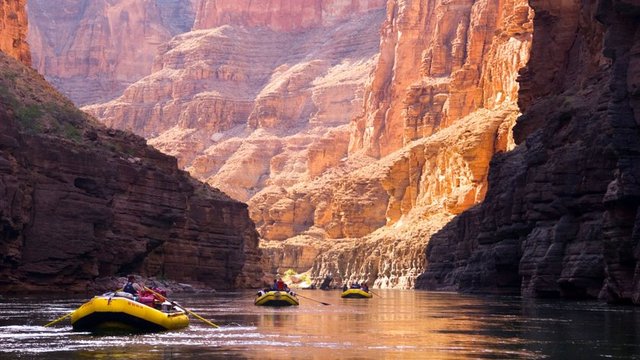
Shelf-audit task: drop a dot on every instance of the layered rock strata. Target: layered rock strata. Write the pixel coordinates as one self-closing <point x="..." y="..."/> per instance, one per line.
<point x="560" y="216"/>
<point x="441" y="103"/>
<point x="440" y="61"/>
<point x="245" y="107"/>
<point x="91" y="50"/>
<point x="13" y="28"/>
<point x="79" y="201"/>
<point x="278" y="15"/>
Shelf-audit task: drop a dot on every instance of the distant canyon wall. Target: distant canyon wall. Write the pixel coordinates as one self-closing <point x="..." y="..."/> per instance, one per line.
<point x="279" y="15"/>
<point x="560" y="218"/>
<point x="247" y="107"/>
<point x="91" y="50"/>
<point x="13" y="26"/>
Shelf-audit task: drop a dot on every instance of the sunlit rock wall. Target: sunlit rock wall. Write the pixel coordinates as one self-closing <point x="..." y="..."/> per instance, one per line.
<point x="246" y="107"/>
<point x="13" y="30"/>
<point x="440" y="61"/>
<point x="441" y="103"/>
<point x="278" y="15"/>
<point x="348" y="127"/>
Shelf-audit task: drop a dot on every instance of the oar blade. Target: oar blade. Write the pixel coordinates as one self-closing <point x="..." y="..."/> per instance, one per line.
<point x="59" y="319"/>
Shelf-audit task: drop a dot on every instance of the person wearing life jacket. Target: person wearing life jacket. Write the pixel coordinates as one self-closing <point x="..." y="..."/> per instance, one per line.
<point x="131" y="287"/>
<point x="281" y="286"/>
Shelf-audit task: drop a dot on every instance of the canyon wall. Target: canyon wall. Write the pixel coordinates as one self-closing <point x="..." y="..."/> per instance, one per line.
<point x="91" y="50"/>
<point x="441" y="103"/>
<point x="560" y="217"/>
<point x="246" y="107"/>
<point x="80" y="202"/>
<point x="354" y="131"/>
<point x="278" y="15"/>
<point x="13" y="26"/>
<point x="440" y="61"/>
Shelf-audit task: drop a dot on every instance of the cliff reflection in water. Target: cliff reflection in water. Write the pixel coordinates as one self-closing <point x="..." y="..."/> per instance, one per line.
<point x="395" y="325"/>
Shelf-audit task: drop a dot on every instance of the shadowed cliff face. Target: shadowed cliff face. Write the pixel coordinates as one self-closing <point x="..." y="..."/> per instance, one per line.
<point x="79" y="201"/>
<point x="91" y="50"/>
<point x="560" y="216"/>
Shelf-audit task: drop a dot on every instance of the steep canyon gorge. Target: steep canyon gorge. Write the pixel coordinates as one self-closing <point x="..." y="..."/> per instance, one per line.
<point x="81" y="202"/>
<point x="353" y="129"/>
<point x="377" y="140"/>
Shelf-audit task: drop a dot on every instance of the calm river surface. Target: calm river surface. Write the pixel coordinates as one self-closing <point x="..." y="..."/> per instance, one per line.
<point x="394" y="325"/>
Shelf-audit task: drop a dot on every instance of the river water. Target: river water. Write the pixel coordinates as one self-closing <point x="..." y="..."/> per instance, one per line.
<point x="393" y="324"/>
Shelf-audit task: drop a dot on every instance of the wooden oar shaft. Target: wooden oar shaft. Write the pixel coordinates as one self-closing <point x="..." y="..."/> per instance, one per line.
<point x="59" y="319"/>
<point x="164" y="298"/>
<point x="376" y="294"/>
<point x="308" y="298"/>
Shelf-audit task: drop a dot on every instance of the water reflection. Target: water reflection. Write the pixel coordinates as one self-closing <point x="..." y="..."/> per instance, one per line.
<point x="393" y="325"/>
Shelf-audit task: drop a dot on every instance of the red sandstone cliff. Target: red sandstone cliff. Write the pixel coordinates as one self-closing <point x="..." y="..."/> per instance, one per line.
<point x="279" y="15"/>
<point x="560" y="217"/>
<point x="361" y="201"/>
<point x="450" y="117"/>
<point x="248" y="107"/>
<point x="440" y="61"/>
<point x="13" y="26"/>
<point x="92" y="50"/>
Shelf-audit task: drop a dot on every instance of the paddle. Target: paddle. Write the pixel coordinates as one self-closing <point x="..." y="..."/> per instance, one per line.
<point x="59" y="319"/>
<point x="163" y="298"/>
<point x="376" y="294"/>
<point x="323" y="303"/>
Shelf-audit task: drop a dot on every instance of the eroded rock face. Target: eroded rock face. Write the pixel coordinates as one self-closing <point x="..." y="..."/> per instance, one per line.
<point x="441" y="104"/>
<point x="277" y="15"/>
<point x="13" y="26"/>
<point x="93" y="49"/>
<point x="440" y="61"/>
<point x="560" y="216"/>
<point x="244" y="107"/>
<point x="79" y="201"/>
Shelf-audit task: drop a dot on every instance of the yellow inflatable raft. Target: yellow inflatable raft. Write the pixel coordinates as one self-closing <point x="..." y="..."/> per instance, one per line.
<point x="276" y="298"/>
<point x="111" y="312"/>
<point x="356" y="294"/>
